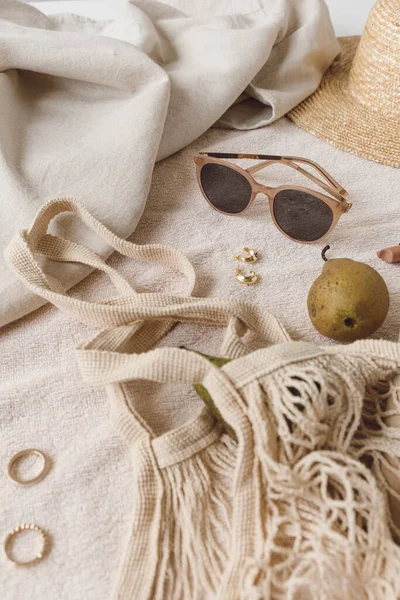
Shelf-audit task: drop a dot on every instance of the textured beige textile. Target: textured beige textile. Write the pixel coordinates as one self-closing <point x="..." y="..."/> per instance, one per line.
<point x="87" y="107"/>
<point x="86" y="501"/>
<point x="288" y="506"/>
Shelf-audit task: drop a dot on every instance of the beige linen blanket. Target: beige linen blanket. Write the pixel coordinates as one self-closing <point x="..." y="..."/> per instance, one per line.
<point x="87" y="107"/>
<point x="85" y="502"/>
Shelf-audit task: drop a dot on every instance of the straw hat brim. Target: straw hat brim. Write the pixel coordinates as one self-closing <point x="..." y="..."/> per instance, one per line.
<point x="333" y="114"/>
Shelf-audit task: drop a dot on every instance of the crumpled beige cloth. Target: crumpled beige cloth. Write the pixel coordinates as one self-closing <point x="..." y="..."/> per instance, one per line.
<point x="87" y="107"/>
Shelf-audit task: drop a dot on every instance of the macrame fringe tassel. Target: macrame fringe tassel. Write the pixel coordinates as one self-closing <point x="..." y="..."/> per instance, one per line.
<point x="197" y="511"/>
<point x="325" y="530"/>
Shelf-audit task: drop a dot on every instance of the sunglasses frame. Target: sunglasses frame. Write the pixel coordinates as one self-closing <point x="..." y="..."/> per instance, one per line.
<point x="339" y="204"/>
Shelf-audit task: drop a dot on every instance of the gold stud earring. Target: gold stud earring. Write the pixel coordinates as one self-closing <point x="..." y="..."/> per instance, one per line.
<point x="252" y="256"/>
<point x="249" y="279"/>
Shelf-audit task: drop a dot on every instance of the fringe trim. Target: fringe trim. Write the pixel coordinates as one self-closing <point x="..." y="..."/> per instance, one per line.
<point x="325" y="515"/>
<point x="196" y="523"/>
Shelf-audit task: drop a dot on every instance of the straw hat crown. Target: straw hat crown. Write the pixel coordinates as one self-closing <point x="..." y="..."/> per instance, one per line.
<point x="374" y="77"/>
<point x="357" y="105"/>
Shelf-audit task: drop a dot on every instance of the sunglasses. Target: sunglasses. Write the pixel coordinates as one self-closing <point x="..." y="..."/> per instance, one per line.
<point x="301" y="214"/>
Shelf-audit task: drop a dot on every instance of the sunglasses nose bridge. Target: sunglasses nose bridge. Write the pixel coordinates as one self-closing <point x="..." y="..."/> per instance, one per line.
<point x="263" y="189"/>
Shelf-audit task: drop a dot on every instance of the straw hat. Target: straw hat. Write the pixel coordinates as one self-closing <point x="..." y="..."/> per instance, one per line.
<point x="357" y="105"/>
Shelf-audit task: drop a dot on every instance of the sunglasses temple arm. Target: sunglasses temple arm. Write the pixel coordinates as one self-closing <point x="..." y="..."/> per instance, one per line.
<point x="335" y="189"/>
<point x="261" y="165"/>
<point x="235" y="155"/>
<point x="270" y="159"/>
<point x="330" y="189"/>
<point x="322" y="171"/>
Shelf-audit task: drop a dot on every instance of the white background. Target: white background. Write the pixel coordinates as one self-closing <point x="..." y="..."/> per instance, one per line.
<point x="348" y="16"/>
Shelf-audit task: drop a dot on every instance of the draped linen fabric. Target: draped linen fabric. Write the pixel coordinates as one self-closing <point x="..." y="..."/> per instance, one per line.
<point x="87" y="107"/>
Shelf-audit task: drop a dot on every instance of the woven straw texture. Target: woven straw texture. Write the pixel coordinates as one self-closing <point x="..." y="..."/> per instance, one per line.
<point x="305" y="498"/>
<point x="357" y="105"/>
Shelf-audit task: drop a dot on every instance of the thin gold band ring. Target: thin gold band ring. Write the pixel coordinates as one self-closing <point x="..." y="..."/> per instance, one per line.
<point x="17" y="457"/>
<point x="8" y="544"/>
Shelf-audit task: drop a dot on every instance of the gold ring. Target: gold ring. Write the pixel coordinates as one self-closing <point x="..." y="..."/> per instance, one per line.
<point x="9" y="543"/>
<point x="17" y="457"/>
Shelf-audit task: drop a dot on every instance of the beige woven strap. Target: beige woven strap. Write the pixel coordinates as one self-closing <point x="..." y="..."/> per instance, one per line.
<point x="130" y="307"/>
<point x="134" y="323"/>
<point x="20" y="255"/>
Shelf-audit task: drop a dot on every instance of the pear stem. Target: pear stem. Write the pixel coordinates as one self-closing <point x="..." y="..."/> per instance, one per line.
<point x="323" y="253"/>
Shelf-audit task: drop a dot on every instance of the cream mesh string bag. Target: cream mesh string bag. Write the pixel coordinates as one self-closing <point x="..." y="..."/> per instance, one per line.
<point x="300" y="503"/>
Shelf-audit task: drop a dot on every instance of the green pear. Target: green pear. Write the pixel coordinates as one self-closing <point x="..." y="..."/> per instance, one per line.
<point x="348" y="301"/>
<point x="219" y="362"/>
